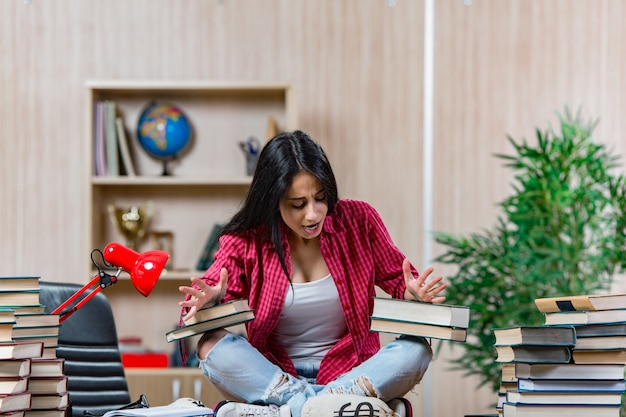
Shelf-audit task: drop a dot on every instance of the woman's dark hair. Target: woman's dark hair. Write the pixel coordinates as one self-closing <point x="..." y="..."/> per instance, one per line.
<point x="280" y="160"/>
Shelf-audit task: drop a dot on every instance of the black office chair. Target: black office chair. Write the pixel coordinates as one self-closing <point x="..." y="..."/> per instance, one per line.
<point x="88" y="343"/>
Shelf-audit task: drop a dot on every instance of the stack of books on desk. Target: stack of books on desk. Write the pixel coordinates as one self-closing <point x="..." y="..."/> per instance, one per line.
<point x="438" y="321"/>
<point x="591" y="382"/>
<point x="32" y="339"/>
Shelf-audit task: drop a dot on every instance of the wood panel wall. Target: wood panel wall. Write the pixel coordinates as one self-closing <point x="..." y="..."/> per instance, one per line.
<point x="501" y="67"/>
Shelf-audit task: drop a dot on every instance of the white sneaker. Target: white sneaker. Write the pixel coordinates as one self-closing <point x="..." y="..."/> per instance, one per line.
<point x="234" y="409"/>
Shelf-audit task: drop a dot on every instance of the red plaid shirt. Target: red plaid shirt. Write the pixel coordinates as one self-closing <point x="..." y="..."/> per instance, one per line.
<point x="359" y="253"/>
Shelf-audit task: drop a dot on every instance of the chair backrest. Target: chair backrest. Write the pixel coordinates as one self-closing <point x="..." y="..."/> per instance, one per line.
<point x="88" y="343"/>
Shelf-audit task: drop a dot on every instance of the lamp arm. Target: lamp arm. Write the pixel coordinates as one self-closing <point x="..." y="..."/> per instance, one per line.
<point x="103" y="279"/>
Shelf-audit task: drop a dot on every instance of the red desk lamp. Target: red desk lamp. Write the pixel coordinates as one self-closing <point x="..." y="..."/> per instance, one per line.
<point x="144" y="269"/>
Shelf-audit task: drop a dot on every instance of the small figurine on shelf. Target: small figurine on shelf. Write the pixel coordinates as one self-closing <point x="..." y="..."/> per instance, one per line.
<point x="251" y="149"/>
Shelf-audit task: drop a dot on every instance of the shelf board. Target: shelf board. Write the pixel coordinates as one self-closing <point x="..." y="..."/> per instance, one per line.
<point x="188" y="86"/>
<point x="173" y="181"/>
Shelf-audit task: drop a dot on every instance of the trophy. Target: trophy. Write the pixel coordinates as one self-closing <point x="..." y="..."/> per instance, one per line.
<point x="131" y="222"/>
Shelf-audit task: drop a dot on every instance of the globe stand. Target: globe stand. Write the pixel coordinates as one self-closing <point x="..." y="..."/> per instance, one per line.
<point x="166" y="171"/>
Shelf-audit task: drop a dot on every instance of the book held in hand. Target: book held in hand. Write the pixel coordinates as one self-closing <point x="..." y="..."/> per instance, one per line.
<point x="219" y="316"/>
<point x="581" y="303"/>
<point x="418" y="329"/>
<point x="535" y="335"/>
<point x="426" y="313"/>
<point x="219" y="310"/>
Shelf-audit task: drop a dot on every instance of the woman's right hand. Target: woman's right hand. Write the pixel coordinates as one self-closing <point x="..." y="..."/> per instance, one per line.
<point x="202" y="295"/>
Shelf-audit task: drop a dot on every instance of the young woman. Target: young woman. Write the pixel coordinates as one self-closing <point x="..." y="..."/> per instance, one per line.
<point x="308" y="262"/>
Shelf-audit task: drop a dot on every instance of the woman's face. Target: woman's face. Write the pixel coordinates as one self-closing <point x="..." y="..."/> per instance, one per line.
<point x="304" y="207"/>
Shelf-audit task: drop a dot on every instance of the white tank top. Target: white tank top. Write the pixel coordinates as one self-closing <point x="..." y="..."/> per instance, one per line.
<point x="312" y="320"/>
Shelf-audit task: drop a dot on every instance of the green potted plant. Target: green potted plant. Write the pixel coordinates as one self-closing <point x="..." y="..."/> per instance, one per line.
<point x="561" y="232"/>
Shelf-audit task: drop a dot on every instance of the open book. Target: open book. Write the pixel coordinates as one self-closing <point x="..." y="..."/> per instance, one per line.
<point x="163" y="411"/>
<point x="219" y="316"/>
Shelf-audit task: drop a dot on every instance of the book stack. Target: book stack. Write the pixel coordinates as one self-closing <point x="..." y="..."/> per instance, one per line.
<point x="588" y="383"/>
<point x="438" y="321"/>
<point x="48" y="386"/>
<point x="32" y="340"/>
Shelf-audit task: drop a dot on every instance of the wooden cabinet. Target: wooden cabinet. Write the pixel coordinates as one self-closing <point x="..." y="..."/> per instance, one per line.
<point x="207" y="182"/>
<point x="163" y="386"/>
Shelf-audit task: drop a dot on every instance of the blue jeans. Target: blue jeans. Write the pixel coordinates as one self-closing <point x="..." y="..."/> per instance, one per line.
<point x="241" y="371"/>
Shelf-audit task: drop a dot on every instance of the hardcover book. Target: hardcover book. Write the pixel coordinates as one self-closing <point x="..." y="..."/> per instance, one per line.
<point x="20" y="331"/>
<point x="15" y="402"/>
<point x="14" y="368"/>
<point x="224" y="315"/>
<point x="6" y="332"/>
<point x="555" y="398"/>
<point x="172" y="410"/>
<point x="127" y="160"/>
<point x="48" y="385"/>
<point x="585" y="317"/>
<point x="46" y="367"/>
<point x="536" y="335"/>
<point x="418" y="329"/>
<point x="24" y="319"/>
<point x="17" y="298"/>
<point x="13" y="385"/>
<point x="533" y="354"/>
<point x="601" y="342"/>
<point x="558" y="385"/>
<point x="581" y="303"/>
<point x="593" y="356"/>
<point x="219" y="310"/>
<point x="52" y="412"/>
<point x="19" y="283"/>
<point x="20" y="350"/>
<point x="569" y="371"/>
<point x="560" y="410"/>
<point x="7" y="315"/>
<point x="49" y="401"/>
<point x="426" y="313"/>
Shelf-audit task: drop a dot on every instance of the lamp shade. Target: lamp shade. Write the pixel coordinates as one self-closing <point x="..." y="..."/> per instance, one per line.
<point x="144" y="268"/>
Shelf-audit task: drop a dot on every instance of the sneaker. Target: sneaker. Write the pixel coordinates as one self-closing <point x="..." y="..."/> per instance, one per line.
<point x="334" y="405"/>
<point x="401" y="407"/>
<point x="234" y="409"/>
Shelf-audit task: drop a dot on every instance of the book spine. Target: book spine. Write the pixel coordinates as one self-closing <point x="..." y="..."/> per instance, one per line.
<point x="124" y="147"/>
<point x="111" y="139"/>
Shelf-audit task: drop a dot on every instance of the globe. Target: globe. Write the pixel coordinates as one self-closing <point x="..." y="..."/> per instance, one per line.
<point x="163" y="131"/>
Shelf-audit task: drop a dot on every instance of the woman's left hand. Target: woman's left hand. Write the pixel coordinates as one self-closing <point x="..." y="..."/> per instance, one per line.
<point x="419" y="289"/>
